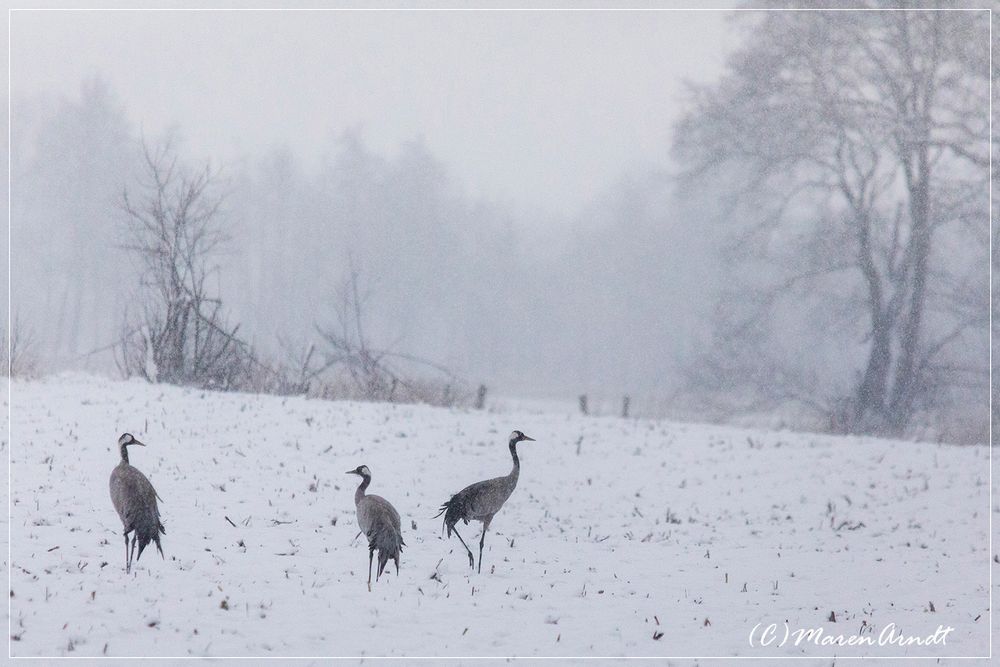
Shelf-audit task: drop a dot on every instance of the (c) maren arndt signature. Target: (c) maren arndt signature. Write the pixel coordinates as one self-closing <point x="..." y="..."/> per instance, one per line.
<point x="779" y="635"/>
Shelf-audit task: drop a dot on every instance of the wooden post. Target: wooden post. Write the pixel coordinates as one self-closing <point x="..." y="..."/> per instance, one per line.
<point x="481" y="397"/>
<point x="583" y="404"/>
<point x="625" y="405"/>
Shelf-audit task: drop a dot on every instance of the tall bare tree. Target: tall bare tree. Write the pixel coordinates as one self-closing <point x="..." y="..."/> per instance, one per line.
<point x="180" y="336"/>
<point x="855" y="149"/>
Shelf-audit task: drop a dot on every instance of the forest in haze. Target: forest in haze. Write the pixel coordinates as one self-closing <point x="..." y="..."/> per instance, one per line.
<point x="812" y="250"/>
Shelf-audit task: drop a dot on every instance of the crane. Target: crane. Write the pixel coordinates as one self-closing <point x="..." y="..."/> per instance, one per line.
<point x="379" y="521"/>
<point x="134" y="499"/>
<point x="482" y="500"/>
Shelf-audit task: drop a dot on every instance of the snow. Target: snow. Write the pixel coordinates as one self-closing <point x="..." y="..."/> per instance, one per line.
<point x="696" y="532"/>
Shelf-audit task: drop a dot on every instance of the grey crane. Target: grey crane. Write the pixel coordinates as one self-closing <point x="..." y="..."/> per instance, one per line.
<point x="134" y="499"/>
<point x="379" y="521"/>
<point x="482" y="500"/>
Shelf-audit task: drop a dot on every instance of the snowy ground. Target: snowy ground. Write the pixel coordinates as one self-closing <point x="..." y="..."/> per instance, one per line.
<point x="623" y="537"/>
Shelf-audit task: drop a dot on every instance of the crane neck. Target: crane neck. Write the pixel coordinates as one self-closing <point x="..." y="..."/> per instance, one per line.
<point x="124" y="453"/>
<point x="517" y="463"/>
<point x="360" y="493"/>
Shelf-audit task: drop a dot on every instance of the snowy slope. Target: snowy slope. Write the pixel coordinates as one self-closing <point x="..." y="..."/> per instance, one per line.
<point x="695" y="532"/>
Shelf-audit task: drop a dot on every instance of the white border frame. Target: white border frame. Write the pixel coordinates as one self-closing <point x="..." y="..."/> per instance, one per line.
<point x="834" y="658"/>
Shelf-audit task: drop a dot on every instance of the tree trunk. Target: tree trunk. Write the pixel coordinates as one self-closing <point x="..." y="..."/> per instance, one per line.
<point x="869" y="400"/>
<point x="906" y="380"/>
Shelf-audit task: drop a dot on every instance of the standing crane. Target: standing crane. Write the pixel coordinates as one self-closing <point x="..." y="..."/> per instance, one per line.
<point x="379" y="521"/>
<point x="134" y="499"/>
<point x="482" y="500"/>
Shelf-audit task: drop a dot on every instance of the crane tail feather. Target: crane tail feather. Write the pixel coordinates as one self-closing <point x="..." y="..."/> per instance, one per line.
<point x="148" y="529"/>
<point x="454" y="510"/>
<point x="389" y="542"/>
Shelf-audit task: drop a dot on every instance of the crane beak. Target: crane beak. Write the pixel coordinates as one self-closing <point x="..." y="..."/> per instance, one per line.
<point x="136" y="442"/>
<point x="527" y="438"/>
<point x="352" y="472"/>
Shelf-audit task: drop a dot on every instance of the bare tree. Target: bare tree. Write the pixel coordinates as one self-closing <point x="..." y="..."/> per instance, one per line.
<point x="296" y="371"/>
<point x="180" y="335"/>
<point x="349" y="347"/>
<point x="18" y="352"/>
<point x="373" y="372"/>
<point x="858" y="146"/>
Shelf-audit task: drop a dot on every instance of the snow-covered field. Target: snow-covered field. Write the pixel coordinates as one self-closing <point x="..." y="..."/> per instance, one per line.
<point x="624" y="537"/>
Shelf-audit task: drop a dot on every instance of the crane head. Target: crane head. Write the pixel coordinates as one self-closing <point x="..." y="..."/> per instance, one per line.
<point x="517" y="436"/>
<point x="127" y="439"/>
<point x="361" y="471"/>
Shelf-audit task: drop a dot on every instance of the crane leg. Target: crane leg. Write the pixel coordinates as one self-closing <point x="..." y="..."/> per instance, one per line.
<point x="472" y="560"/>
<point x="128" y="565"/>
<point x="135" y="537"/>
<point x="371" y="554"/>
<point x="482" y="539"/>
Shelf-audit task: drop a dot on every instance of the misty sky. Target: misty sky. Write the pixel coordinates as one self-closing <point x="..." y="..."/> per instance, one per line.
<point x="536" y="109"/>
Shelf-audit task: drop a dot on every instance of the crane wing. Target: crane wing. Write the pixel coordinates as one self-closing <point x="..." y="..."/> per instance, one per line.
<point x="132" y="495"/>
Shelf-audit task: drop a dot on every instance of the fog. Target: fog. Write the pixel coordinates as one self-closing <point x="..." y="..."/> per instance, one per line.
<point x="500" y="167"/>
<point x="539" y="109"/>
<point x="547" y="203"/>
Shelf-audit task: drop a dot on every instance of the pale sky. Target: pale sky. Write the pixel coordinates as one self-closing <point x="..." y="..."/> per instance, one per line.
<point x="538" y="109"/>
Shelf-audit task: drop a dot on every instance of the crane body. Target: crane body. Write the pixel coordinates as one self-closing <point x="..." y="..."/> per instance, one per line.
<point x="134" y="499"/>
<point x="482" y="500"/>
<point x="379" y="521"/>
